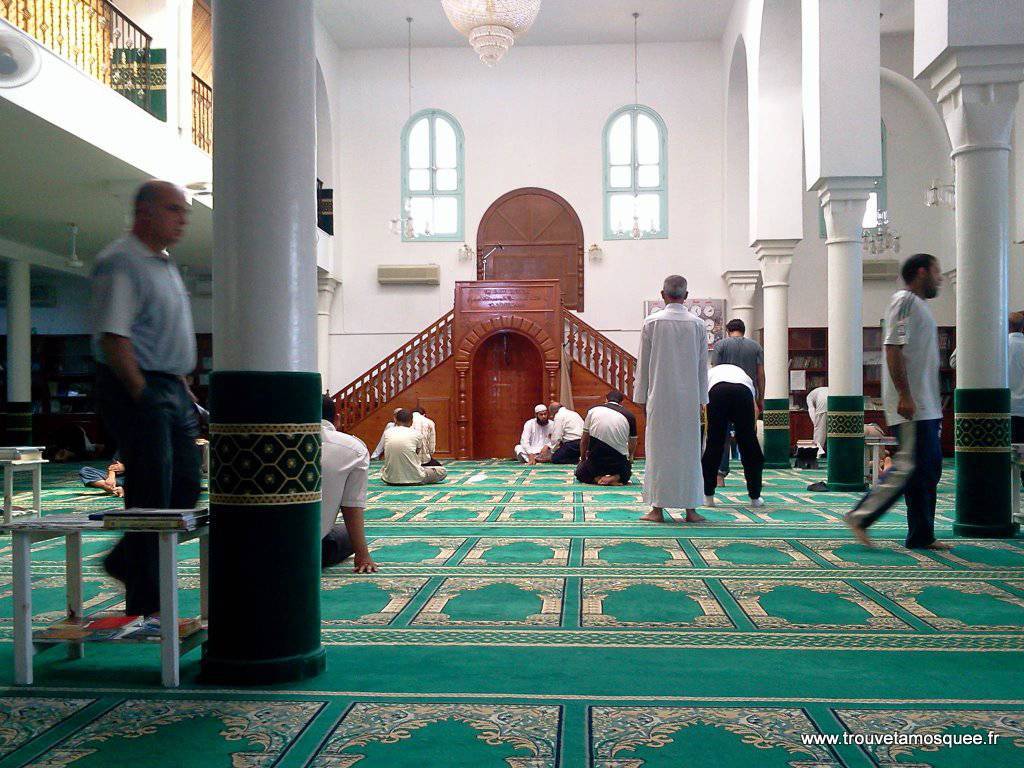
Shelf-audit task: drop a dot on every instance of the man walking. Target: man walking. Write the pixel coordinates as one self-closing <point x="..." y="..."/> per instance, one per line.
<point x="910" y="392"/>
<point x="145" y="346"/>
<point x="672" y="380"/>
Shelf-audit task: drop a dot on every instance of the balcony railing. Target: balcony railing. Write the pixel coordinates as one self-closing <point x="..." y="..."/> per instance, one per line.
<point x="98" y="39"/>
<point x="202" y="114"/>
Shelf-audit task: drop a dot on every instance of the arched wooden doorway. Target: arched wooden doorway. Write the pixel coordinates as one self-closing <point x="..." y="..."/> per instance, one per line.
<point x="508" y="381"/>
<point x="542" y="239"/>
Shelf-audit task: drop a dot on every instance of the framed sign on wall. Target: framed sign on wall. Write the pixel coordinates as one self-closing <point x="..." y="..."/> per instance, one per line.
<point x="711" y="311"/>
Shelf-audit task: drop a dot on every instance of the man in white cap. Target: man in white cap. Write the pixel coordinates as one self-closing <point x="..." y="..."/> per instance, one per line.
<point x="535" y="444"/>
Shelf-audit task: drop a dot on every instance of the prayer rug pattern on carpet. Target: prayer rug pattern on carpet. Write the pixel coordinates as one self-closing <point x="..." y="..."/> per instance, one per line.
<point x="525" y="621"/>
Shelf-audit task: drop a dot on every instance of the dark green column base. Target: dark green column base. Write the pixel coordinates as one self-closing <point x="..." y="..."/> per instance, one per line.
<point x="776" y="433"/>
<point x="982" y="437"/>
<point x="17" y="424"/>
<point x="262" y="672"/>
<point x="264" y="609"/>
<point x="845" y="450"/>
<point x="972" y="530"/>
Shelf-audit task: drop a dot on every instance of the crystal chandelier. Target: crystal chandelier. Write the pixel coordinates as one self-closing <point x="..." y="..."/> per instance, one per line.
<point x="880" y="239"/>
<point x="403" y="225"/>
<point x="492" y="26"/>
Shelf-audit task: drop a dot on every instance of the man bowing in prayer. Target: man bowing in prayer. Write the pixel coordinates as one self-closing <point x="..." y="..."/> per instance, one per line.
<point x="672" y="380"/>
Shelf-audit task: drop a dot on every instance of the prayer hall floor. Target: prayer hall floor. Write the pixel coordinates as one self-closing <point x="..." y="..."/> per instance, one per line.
<point x="522" y="620"/>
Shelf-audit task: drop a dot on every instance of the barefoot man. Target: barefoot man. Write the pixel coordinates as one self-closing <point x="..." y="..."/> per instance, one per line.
<point x="672" y="380"/>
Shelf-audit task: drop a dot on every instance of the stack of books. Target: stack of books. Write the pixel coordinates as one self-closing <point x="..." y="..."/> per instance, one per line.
<point x="161" y="519"/>
<point x="113" y="626"/>
<point x="21" y="453"/>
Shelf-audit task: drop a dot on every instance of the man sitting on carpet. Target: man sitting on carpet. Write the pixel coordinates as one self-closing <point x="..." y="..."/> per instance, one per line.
<point x="379" y="450"/>
<point x="608" y="443"/>
<point x="566" y="431"/>
<point x="107" y="481"/>
<point x="535" y="443"/>
<point x="344" y="466"/>
<point x="405" y="453"/>
<point x="428" y="429"/>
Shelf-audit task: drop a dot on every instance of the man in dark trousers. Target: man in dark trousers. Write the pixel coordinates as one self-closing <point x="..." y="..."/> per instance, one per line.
<point x="608" y="443"/>
<point x="731" y="401"/>
<point x="145" y="345"/>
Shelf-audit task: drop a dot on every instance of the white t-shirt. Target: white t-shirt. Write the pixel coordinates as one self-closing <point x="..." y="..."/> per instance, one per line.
<point x="403" y="456"/>
<point x="428" y="429"/>
<point x="612" y="424"/>
<point x="909" y="324"/>
<point x="567" y="426"/>
<point x="730" y="374"/>
<point x="1016" y="367"/>
<point x="344" y="462"/>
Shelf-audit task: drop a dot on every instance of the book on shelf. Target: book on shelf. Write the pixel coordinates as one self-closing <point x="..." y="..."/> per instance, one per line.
<point x="149" y="630"/>
<point x="21" y="453"/>
<point x="187" y="523"/>
<point x="113" y="626"/>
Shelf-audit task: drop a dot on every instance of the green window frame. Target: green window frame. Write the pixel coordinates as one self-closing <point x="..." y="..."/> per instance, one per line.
<point x="634" y="189"/>
<point x="881" y="188"/>
<point x="432" y="116"/>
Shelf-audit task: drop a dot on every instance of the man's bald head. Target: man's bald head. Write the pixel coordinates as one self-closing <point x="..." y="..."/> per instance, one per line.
<point x="161" y="214"/>
<point x="1017" y="322"/>
<point x="553" y="407"/>
<point x="674" y="289"/>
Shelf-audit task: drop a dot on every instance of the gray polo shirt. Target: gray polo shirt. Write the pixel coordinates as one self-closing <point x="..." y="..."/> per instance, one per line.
<point x="739" y="351"/>
<point x="139" y="294"/>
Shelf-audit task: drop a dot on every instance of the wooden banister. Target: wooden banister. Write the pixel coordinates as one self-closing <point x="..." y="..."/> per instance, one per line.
<point x="598" y="354"/>
<point x="395" y="373"/>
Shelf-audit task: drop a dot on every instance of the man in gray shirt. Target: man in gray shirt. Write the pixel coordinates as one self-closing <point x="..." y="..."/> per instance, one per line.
<point x="736" y="349"/>
<point x="145" y="346"/>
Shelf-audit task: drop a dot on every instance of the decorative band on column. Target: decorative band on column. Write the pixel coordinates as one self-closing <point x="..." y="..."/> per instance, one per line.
<point x="265" y="464"/>
<point x="983" y="479"/>
<point x="264" y="601"/>
<point x="845" y="424"/>
<point x="845" y="427"/>
<point x="776" y="433"/>
<point x="17" y="424"/>
<point x="982" y="432"/>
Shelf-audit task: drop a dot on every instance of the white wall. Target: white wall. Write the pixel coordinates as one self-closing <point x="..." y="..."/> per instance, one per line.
<point x="70" y="315"/>
<point x="536" y="119"/>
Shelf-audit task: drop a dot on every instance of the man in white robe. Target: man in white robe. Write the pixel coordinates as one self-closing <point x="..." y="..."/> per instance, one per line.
<point x="817" y="411"/>
<point x="535" y="443"/>
<point x="426" y="427"/>
<point x="672" y="380"/>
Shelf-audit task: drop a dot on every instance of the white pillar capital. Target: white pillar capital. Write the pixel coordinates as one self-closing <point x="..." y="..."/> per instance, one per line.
<point x="325" y="288"/>
<point x="742" y="285"/>
<point x="844" y="200"/>
<point x="978" y="89"/>
<point x="775" y="258"/>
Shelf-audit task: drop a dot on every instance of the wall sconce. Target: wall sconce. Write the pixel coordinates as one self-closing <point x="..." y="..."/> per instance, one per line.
<point x="595" y="253"/>
<point x="940" y="194"/>
<point x="465" y="253"/>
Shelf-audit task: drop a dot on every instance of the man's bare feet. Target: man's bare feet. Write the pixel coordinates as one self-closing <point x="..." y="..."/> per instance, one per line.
<point x="656" y="515"/>
<point x="860" y="533"/>
<point x="609" y="480"/>
<point x="940" y="546"/>
<point x="693" y="517"/>
<point x="721" y="480"/>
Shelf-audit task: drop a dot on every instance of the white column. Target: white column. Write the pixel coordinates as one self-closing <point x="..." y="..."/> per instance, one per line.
<point x="19" y="332"/>
<point x="844" y="202"/>
<point x="179" y="13"/>
<point x="978" y="92"/>
<point x="326" y="289"/>
<point x="265" y="172"/>
<point x="776" y="258"/>
<point x="742" y="284"/>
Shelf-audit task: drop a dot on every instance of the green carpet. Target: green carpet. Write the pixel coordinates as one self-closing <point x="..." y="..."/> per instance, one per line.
<point x="525" y="621"/>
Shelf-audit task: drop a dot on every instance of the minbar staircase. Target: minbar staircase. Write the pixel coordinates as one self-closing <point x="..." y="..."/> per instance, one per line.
<point x="422" y="372"/>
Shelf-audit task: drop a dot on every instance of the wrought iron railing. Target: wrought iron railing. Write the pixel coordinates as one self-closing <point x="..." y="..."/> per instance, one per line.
<point x="97" y="38"/>
<point x="395" y="373"/>
<point x="598" y="354"/>
<point x="202" y="114"/>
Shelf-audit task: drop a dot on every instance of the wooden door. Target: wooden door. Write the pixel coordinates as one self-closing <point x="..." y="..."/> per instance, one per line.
<point x="508" y="381"/>
<point x="542" y="239"/>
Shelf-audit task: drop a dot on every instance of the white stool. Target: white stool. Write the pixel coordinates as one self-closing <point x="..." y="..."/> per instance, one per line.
<point x="35" y="466"/>
<point x="873" y="445"/>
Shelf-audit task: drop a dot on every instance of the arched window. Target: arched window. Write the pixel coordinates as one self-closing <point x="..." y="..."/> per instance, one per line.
<point x="433" y="195"/>
<point x="635" y="174"/>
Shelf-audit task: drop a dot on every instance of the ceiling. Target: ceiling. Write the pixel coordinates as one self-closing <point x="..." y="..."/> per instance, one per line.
<point x="381" y="23"/>
<point x="49" y="177"/>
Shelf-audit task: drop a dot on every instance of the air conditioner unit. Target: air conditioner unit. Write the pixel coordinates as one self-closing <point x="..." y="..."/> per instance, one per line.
<point x="881" y="269"/>
<point x="409" y="274"/>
